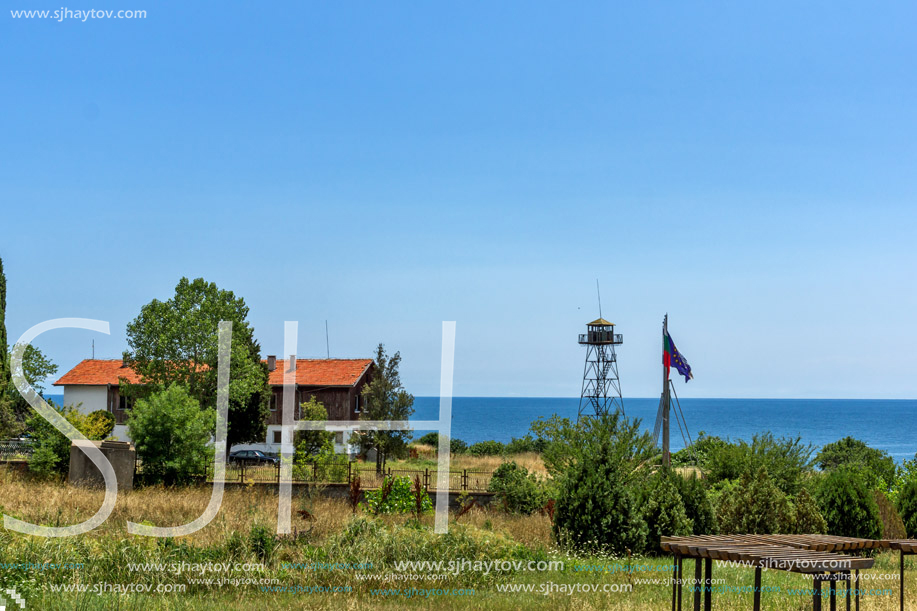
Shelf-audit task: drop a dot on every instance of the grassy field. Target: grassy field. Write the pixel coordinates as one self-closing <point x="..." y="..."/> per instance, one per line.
<point x="243" y="534"/>
<point x="426" y="459"/>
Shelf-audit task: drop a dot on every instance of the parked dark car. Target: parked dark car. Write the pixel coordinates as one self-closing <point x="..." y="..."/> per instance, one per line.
<point x="252" y="457"/>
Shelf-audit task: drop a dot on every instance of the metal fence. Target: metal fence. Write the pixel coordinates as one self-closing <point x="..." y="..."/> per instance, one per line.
<point x="16" y="449"/>
<point x="345" y="472"/>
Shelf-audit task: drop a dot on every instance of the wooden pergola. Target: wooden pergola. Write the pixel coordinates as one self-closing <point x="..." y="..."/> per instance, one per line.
<point x="816" y="555"/>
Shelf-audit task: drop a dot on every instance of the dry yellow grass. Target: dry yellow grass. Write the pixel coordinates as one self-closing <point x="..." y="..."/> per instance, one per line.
<point x="530" y="460"/>
<point x="59" y="504"/>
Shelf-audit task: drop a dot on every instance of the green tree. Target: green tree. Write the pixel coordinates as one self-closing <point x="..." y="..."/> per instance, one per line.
<point x="171" y="434"/>
<point x="698" y="506"/>
<point x="597" y="465"/>
<point x="786" y="459"/>
<point x="754" y="505"/>
<point x="878" y="467"/>
<point x="907" y="507"/>
<point x="9" y="423"/>
<point x="664" y="509"/>
<point x="809" y="520"/>
<point x="905" y="473"/>
<point x="5" y="379"/>
<point x="310" y="443"/>
<point x="386" y="399"/>
<point x="36" y="368"/>
<point x="518" y="490"/>
<point x="175" y="341"/>
<point x="99" y="424"/>
<point x="848" y="505"/>
<point x="51" y="457"/>
<point x="562" y="446"/>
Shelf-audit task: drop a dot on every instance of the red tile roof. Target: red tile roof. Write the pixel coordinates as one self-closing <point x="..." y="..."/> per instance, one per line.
<point x="323" y="372"/>
<point x="309" y="372"/>
<point x="98" y="372"/>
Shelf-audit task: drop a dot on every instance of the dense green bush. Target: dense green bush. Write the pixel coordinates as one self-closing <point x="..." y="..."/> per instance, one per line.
<point x="907" y="507"/>
<point x="395" y="496"/>
<point x="698" y="452"/>
<point x="527" y="443"/>
<point x="486" y="448"/>
<point x="99" y="424"/>
<point x="52" y="448"/>
<point x="430" y="439"/>
<point x="599" y="461"/>
<point x="848" y="506"/>
<point x="754" y="505"/>
<point x="786" y="459"/>
<point x="877" y="466"/>
<point x="324" y="466"/>
<point x="697" y="503"/>
<point x="171" y="434"/>
<point x="262" y="542"/>
<point x="518" y="490"/>
<point x="809" y="520"/>
<point x="664" y="509"/>
<point x="905" y="473"/>
<point x="311" y="443"/>
<point x="456" y="446"/>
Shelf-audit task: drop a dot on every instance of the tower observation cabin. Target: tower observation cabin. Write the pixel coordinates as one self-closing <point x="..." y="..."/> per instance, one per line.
<point x="600" y="331"/>
<point x="601" y="387"/>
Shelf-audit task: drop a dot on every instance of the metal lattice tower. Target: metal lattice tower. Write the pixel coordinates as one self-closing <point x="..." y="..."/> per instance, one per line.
<point x="601" y="385"/>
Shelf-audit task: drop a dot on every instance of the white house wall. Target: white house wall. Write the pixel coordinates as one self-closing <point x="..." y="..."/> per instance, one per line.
<point x="93" y="398"/>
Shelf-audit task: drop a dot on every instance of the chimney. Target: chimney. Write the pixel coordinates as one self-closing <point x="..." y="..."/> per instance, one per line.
<point x="125" y="359"/>
<point x="271" y="362"/>
<point x="292" y="362"/>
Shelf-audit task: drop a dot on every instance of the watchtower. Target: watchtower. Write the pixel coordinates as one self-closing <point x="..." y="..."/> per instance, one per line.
<point x="601" y="386"/>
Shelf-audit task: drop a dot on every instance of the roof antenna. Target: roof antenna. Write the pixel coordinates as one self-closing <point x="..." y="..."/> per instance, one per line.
<point x="93" y="349"/>
<point x="599" y="293"/>
<point x="327" y="344"/>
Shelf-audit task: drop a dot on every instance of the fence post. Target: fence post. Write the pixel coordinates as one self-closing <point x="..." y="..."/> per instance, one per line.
<point x="426" y="479"/>
<point x="349" y="471"/>
<point x="464" y="479"/>
<point x="242" y="472"/>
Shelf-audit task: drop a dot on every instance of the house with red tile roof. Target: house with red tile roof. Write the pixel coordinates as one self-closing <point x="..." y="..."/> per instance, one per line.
<point x="336" y="383"/>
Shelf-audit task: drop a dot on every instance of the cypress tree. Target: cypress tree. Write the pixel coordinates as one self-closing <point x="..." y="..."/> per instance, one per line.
<point x="4" y="346"/>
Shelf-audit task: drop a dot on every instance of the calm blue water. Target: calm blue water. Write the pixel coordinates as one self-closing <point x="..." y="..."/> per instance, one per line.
<point x="885" y="424"/>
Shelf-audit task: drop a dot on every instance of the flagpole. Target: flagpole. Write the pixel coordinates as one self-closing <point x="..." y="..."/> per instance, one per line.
<point x="666" y="403"/>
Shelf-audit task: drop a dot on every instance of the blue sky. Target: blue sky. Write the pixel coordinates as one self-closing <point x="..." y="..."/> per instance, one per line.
<point x="388" y="166"/>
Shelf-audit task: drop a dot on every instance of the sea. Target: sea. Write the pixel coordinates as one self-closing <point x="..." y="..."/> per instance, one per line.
<point x="889" y="425"/>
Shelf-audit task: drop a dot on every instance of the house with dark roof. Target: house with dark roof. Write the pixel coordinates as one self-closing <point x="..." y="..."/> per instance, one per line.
<point x="336" y="383"/>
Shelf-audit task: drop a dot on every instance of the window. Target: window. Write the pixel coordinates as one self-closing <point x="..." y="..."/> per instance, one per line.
<point x="277" y="436"/>
<point x="125" y="403"/>
<point x="356" y="406"/>
<point x="339" y="438"/>
<point x="273" y="402"/>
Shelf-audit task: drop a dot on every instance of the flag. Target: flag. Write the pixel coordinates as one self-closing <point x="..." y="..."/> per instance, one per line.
<point x="672" y="357"/>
